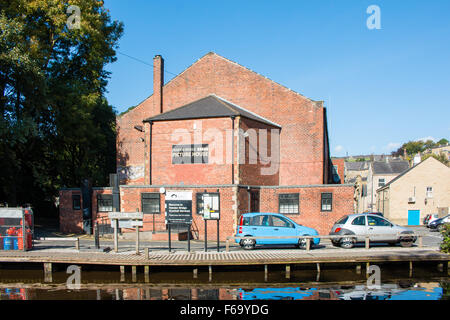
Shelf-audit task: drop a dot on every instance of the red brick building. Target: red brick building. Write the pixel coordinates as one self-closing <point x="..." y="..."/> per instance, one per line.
<point x="230" y="136"/>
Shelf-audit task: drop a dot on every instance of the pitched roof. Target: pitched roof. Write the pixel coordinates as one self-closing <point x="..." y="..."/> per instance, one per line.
<point x="405" y="172"/>
<point x="211" y="106"/>
<point x="356" y="166"/>
<point x="392" y="167"/>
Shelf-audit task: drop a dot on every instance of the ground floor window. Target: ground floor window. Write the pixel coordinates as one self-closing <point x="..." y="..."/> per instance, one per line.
<point x="104" y="203"/>
<point x="288" y="203"/>
<point x="327" y="202"/>
<point x="150" y="203"/>
<point x="76" y="202"/>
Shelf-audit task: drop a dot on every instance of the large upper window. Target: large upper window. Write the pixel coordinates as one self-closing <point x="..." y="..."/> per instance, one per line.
<point x="104" y="202"/>
<point x="150" y="202"/>
<point x="289" y="203"/>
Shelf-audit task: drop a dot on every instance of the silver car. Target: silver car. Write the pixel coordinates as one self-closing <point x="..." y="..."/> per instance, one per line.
<point x="378" y="229"/>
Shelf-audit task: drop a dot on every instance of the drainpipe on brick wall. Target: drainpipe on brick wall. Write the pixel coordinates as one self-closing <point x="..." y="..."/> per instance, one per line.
<point x="232" y="149"/>
<point x="150" y="153"/>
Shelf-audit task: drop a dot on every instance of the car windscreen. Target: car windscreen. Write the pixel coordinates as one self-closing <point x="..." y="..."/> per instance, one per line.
<point x="342" y="220"/>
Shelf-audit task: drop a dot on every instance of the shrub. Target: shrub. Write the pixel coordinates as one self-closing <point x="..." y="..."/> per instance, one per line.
<point x="445" y="245"/>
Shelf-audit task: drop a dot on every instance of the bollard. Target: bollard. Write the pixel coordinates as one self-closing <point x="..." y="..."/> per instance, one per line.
<point x="77" y="243"/>
<point x="367" y="242"/>
<point x="308" y="244"/>
<point x="96" y="236"/>
<point x="227" y="245"/>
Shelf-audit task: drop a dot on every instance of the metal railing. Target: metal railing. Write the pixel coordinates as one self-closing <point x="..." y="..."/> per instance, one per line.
<point x="408" y="237"/>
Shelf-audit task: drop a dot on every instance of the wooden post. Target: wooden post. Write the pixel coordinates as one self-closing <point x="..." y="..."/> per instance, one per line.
<point x="122" y="273"/>
<point x="367" y="242"/>
<point x="147" y="273"/>
<point x="288" y="271"/>
<point x="358" y="269"/>
<point x="210" y="273"/>
<point x="195" y="273"/>
<point x="367" y="269"/>
<point x="266" y="273"/>
<point x="147" y="253"/>
<point x="77" y="244"/>
<point x="410" y="269"/>
<point x="308" y="244"/>
<point x="420" y="241"/>
<point x="318" y="267"/>
<point x="133" y="273"/>
<point x="227" y="245"/>
<point x="48" y="272"/>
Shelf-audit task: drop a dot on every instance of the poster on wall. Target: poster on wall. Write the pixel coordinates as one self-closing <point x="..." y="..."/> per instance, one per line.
<point x="178" y="207"/>
<point x="211" y="206"/>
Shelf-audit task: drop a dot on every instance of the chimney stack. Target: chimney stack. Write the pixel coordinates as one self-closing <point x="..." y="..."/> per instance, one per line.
<point x="158" y="83"/>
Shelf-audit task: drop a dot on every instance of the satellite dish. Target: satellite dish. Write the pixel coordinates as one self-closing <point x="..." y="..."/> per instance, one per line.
<point x="162" y="190"/>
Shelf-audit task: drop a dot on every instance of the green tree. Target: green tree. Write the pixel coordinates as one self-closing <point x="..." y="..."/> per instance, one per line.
<point x="56" y="125"/>
<point x="441" y="157"/>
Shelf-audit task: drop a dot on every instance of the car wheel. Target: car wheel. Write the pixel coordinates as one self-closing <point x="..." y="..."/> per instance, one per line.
<point x="347" y="243"/>
<point x="406" y="244"/>
<point x="302" y="243"/>
<point x="440" y="227"/>
<point x="248" y="244"/>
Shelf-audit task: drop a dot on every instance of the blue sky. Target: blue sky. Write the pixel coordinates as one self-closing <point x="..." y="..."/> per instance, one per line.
<point x="381" y="87"/>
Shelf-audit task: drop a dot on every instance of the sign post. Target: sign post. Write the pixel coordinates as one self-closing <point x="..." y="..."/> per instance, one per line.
<point x="211" y="211"/>
<point x="178" y="211"/>
<point x="126" y="220"/>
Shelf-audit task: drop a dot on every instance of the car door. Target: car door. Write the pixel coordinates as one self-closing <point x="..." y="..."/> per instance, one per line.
<point x="253" y="227"/>
<point x="379" y="229"/>
<point x="359" y="227"/>
<point x="282" y="227"/>
<point x="265" y="229"/>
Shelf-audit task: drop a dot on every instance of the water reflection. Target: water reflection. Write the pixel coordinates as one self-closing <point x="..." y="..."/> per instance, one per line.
<point x="387" y="291"/>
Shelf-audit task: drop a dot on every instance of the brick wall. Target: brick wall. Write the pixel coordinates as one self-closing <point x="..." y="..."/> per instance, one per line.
<point x="70" y="220"/>
<point x="209" y="131"/>
<point x="302" y="119"/>
<point x="310" y="204"/>
<point x="131" y="199"/>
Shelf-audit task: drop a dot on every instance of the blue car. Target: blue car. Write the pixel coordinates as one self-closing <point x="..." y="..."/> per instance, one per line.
<point x="271" y="225"/>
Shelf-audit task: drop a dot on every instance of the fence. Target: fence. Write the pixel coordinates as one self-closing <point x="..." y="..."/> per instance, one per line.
<point x="407" y="237"/>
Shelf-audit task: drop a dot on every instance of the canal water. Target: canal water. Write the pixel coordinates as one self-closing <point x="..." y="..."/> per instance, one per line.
<point x="396" y="283"/>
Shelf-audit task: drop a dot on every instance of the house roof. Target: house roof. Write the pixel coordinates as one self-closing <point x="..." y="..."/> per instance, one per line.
<point x="211" y="106"/>
<point x="392" y="167"/>
<point x="357" y="166"/>
<point x="405" y="172"/>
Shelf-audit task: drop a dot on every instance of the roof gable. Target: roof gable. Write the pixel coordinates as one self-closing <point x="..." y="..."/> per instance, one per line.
<point x="411" y="169"/>
<point x="211" y="106"/>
